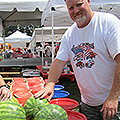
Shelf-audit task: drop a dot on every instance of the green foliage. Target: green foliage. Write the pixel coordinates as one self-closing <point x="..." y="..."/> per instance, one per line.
<point x="24" y="29"/>
<point x="9" y="30"/>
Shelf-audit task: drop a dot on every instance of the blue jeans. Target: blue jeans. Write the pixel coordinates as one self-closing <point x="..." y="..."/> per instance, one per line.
<point x="93" y="112"/>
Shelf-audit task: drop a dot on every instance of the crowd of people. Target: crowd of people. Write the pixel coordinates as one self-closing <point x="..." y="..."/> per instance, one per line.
<point x="47" y="50"/>
<point x="37" y="51"/>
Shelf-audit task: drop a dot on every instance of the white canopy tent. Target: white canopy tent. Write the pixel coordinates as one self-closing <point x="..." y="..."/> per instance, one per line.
<point x="45" y="35"/>
<point x="55" y="12"/>
<point x="18" y="39"/>
<point x="47" y="31"/>
<point x="60" y="14"/>
<point x="24" y="12"/>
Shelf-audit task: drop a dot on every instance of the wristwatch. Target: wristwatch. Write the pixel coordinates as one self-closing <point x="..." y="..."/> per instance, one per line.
<point x="7" y="86"/>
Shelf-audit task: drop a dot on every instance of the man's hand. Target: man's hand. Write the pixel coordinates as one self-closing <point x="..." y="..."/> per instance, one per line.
<point x="47" y="91"/>
<point x="5" y="93"/>
<point x="109" y="108"/>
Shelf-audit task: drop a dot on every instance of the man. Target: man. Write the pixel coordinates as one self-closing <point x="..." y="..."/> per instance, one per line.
<point x="5" y="93"/>
<point x="93" y="46"/>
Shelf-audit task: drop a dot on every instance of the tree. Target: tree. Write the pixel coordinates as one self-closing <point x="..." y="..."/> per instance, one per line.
<point x="24" y="29"/>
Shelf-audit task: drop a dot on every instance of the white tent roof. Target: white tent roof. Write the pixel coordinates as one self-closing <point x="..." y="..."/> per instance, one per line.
<point x="17" y="39"/>
<point x="23" y="12"/>
<point x="22" y="5"/>
<point x="18" y="36"/>
<point x="61" y="16"/>
<point x="47" y="35"/>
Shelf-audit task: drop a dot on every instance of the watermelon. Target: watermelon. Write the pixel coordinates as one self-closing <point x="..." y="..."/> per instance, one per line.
<point x="33" y="106"/>
<point x="14" y="99"/>
<point x="18" y="79"/>
<point x="31" y="83"/>
<point x="19" y="85"/>
<point x="22" y="101"/>
<point x="10" y="110"/>
<point x="51" y="112"/>
<point x="35" y="79"/>
<point x="15" y="89"/>
<point x="24" y="94"/>
<point x="34" y="89"/>
<point x="10" y="83"/>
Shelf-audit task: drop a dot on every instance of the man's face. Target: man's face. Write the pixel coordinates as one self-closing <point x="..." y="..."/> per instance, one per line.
<point x="78" y="10"/>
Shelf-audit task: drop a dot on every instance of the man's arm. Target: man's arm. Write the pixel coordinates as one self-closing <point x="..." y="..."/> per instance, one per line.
<point x="2" y="81"/>
<point x="54" y="74"/>
<point x="5" y="93"/>
<point x="111" y="104"/>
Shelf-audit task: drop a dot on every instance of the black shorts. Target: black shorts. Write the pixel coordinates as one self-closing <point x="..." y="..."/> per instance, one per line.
<point x="93" y="112"/>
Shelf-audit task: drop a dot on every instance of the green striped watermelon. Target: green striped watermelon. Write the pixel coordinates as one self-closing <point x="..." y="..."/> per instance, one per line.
<point x="51" y="112"/>
<point x="33" y="106"/>
<point x="14" y="99"/>
<point x="10" y="110"/>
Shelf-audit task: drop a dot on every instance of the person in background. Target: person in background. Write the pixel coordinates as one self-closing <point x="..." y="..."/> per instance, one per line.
<point x="5" y="93"/>
<point x="55" y="52"/>
<point x="93" y="45"/>
<point x="47" y="50"/>
<point x="57" y="45"/>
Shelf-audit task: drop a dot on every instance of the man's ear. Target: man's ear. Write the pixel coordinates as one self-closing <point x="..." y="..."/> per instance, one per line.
<point x="88" y="1"/>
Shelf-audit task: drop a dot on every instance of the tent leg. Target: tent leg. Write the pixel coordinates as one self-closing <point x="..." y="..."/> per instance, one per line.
<point x="3" y="42"/>
<point x="52" y="36"/>
<point x="42" y="46"/>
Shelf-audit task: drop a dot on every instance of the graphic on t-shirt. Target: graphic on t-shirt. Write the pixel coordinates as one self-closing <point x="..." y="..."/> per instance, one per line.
<point x="84" y="55"/>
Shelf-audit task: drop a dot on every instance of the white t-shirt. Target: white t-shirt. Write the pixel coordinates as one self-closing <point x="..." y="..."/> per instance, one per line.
<point x="48" y="51"/>
<point x="92" y="50"/>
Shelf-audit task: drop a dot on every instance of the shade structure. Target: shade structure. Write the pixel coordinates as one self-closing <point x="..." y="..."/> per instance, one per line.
<point x="55" y="12"/>
<point x="44" y="34"/>
<point x="61" y="16"/>
<point x="24" y="12"/>
<point x="47" y="37"/>
<point x="18" y="36"/>
<point x="17" y="39"/>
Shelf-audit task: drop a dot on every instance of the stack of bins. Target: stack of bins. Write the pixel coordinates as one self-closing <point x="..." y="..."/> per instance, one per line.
<point x="66" y="103"/>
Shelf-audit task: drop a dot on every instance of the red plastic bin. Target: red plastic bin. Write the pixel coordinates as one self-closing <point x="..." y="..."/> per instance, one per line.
<point x="65" y="103"/>
<point x="74" y="115"/>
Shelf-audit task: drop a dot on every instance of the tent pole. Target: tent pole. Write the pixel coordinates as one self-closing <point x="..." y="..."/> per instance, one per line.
<point x="53" y="10"/>
<point x="42" y="47"/>
<point x="3" y="40"/>
<point x="34" y="42"/>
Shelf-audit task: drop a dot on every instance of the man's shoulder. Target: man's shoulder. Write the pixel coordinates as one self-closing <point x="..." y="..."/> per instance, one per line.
<point x="107" y="18"/>
<point x="105" y="15"/>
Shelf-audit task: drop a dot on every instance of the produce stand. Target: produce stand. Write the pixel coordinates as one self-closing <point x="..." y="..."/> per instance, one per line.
<point x="45" y="73"/>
